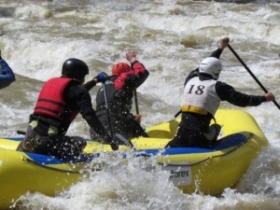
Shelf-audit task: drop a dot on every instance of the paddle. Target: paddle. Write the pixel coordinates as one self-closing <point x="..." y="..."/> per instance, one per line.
<point x="114" y="146"/>
<point x="255" y="78"/>
<point x="177" y="114"/>
<point x="21" y="132"/>
<point x="136" y="102"/>
<point x="116" y="137"/>
<point x="136" y="106"/>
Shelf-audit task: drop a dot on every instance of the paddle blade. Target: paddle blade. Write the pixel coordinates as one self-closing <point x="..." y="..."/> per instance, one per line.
<point x="114" y="146"/>
<point x="122" y="140"/>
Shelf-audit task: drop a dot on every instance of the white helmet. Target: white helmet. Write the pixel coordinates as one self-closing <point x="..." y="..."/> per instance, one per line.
<point x="211" y="66"/>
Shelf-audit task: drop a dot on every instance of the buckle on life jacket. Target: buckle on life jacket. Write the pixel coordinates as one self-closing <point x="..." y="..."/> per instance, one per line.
<point x="194" y="109"/>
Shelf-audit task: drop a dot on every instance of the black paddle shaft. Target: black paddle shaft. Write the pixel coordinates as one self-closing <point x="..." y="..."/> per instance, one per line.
<point x="136" y="102"/>
<point x="251" y="73"/>
<point x="113" y="145"/>
<point x="107" y="110"/>
<point x="116" y="136"/>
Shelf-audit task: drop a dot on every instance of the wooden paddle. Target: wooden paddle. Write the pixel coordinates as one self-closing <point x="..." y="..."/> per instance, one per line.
<point x="250" y="72"/>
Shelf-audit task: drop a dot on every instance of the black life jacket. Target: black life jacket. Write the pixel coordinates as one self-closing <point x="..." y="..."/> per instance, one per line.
<point x="119" y="101"/>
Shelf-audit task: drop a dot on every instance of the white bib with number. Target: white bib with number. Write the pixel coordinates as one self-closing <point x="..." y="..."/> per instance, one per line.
<point x="201" y="94"/>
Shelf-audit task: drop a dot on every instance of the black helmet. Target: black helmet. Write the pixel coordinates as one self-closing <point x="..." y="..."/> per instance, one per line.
<point x="75" y="68"/>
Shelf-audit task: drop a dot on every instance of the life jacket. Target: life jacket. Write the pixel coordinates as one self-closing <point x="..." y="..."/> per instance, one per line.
<point x="200" y="97"/>
<point x="51" y="102"/>
<point x="119" y="101"/>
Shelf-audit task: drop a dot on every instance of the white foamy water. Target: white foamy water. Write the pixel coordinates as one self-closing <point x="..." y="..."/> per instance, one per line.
<point x="170" y="38"/>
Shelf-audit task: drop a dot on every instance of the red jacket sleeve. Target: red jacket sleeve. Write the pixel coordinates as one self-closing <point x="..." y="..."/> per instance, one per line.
<point x="132" y="79"/>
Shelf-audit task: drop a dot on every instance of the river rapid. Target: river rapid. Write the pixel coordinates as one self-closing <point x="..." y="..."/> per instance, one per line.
<point x="170" y="38"/>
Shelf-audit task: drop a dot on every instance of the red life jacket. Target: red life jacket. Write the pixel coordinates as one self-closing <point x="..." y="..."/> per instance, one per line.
<point x="50" y="101"/>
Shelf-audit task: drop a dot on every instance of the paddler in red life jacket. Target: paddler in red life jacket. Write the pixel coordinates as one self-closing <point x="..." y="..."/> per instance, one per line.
<point x="120" y="87"/>
<point x="201" y="99"/>
<point x="59" y="102"/>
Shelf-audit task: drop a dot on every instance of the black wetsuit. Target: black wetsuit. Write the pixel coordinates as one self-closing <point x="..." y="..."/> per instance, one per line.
<point x="119" y="91"/>
<point x="46" y="135"/>
<point x="193" y="126"/>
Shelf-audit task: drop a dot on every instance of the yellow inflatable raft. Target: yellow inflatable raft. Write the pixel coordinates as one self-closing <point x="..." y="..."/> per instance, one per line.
<point x="208" y="171"/>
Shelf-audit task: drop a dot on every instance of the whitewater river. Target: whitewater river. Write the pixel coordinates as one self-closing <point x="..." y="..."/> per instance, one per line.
<point x="170" y="37"/>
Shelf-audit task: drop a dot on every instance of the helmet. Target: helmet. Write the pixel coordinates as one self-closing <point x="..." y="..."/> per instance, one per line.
<point x="75" y="68"/>
<point x="119" y="68"/>
<point x="211" y="66"/>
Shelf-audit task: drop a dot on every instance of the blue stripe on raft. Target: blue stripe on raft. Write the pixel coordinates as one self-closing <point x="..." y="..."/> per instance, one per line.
<point x="21" y="138"/>
<point x="15" y="138"/>
<point x="46" y="160"/>
<point x="43" y="159"/>
<point x="228" y="141"/>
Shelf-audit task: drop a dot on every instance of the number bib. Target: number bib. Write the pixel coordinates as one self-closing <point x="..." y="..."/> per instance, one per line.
<point x="201" y="94"/>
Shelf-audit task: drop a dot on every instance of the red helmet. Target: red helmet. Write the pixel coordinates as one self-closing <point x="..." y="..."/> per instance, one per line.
<point x="119" y="68"/>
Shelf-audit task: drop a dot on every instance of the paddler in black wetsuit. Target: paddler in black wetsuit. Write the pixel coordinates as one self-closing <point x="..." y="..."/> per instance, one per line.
<point x="59" y="102"/>
<point x="120" y="87"/>
<point x="201" y="99"/>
